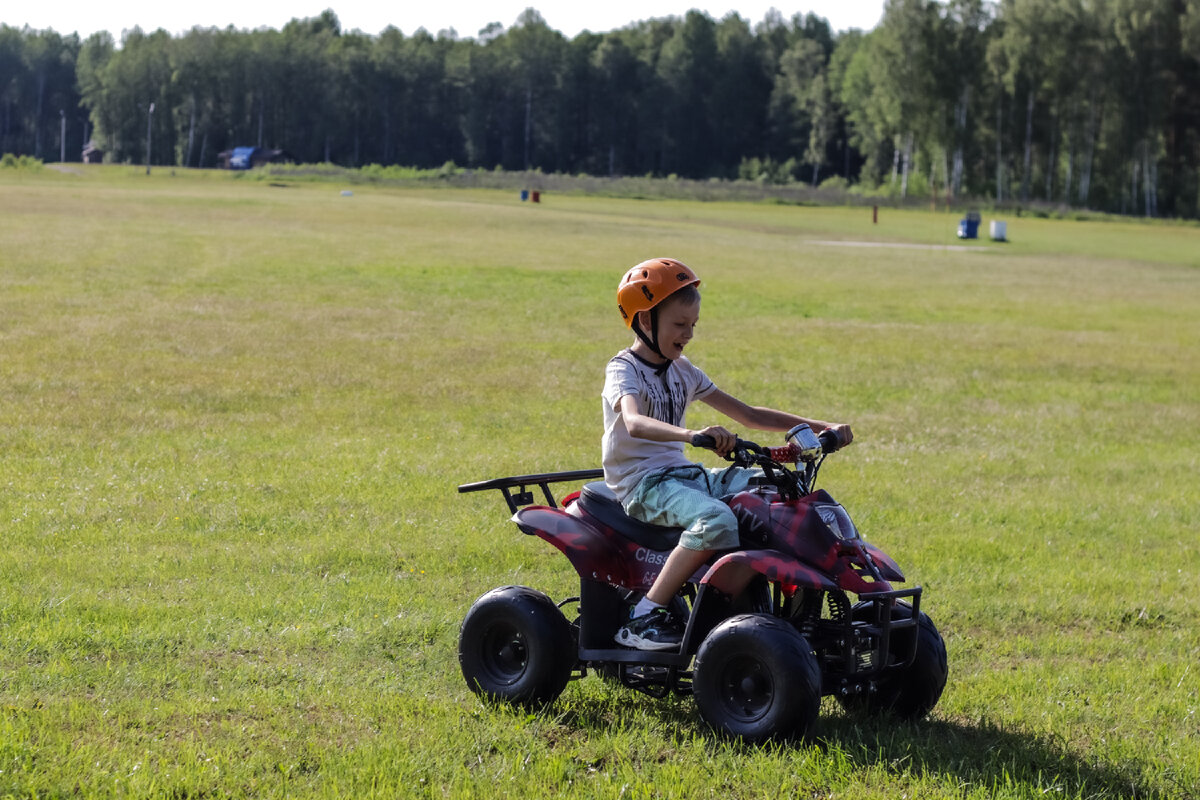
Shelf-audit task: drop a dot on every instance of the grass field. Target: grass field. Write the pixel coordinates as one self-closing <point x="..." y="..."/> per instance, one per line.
<point x="233" y="416"/>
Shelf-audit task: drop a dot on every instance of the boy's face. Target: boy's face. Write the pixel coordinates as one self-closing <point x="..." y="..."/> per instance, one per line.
<point x="676" y="326"/>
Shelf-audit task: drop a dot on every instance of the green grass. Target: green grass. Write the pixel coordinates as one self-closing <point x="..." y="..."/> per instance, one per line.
<point x="233" y="416"/>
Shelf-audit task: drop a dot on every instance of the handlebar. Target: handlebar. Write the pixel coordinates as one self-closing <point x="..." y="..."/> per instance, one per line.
<point x="806" y="452"/>
<point x="829" y="439"/>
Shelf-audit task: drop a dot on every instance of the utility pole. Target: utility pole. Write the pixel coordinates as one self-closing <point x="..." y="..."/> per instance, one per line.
<point x="149" y="120"/>
<point x="62" y="136"/>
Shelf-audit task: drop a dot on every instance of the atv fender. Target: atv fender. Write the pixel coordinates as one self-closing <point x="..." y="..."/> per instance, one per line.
<point x="888" y="568"/>
<point x="593" y="556"/>
<point x="730" y="569"/>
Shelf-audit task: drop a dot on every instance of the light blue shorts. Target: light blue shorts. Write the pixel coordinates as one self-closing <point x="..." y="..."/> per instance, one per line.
<point x="689" y="498"/>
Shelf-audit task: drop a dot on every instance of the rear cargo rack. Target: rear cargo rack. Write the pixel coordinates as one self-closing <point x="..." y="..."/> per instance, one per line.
<point x="524" y="495"/>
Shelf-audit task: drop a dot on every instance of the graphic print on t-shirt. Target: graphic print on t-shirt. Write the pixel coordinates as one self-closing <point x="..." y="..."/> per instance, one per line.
<point x="663" y="391"/>
<point x="666" y="399"/>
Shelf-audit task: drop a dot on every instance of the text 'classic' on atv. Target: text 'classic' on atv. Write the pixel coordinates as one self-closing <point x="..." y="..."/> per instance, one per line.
<point x="771" y="626"/>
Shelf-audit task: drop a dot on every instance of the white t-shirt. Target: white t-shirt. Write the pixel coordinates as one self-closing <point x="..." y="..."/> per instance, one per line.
<point x="664" y="396"/>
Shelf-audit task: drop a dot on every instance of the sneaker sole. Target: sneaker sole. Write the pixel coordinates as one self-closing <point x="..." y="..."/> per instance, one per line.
<point x="638" y="643"/>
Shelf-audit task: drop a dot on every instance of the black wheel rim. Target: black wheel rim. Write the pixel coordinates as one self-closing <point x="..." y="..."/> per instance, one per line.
<point x="505" y="654"/>
<point x="747" y="689"/>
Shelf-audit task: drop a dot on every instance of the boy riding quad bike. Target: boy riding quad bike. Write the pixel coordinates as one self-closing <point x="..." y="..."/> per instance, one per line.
<point x="769" y="622"/>
<point x="771" y="626"/>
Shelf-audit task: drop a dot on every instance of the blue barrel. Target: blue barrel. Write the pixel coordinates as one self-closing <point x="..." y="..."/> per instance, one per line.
<point x="968" y="226"/>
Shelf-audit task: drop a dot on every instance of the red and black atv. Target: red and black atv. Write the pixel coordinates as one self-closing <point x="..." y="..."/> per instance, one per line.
<point x="771" y="626"/>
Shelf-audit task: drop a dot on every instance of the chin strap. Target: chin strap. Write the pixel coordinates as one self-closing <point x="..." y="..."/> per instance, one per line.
<point x="651" y="342"/>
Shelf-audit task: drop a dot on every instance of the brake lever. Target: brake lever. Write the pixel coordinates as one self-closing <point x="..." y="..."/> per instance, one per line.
<point x="745" y="453"/>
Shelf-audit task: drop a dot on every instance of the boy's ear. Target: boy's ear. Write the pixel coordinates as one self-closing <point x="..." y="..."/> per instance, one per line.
<point x="642" y="320"/>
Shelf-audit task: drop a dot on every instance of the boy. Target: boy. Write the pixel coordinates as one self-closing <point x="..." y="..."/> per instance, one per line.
<point x="647" y="390"/>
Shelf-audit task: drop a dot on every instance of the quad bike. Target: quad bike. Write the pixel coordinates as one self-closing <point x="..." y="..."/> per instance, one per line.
<point x="771" y="627"/>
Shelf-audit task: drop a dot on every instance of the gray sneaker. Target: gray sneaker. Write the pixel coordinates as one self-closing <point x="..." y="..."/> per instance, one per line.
<point x="658" y="630"/>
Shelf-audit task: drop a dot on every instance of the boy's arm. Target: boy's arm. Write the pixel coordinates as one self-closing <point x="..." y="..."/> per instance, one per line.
<point x="768" y="419"/>
<point x="643" y="427"/>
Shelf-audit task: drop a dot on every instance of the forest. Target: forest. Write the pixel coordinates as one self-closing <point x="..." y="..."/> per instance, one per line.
<point x="1074" y="103"/>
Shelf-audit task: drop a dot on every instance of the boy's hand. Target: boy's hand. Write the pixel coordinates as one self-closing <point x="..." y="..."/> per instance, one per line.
<point x="725" y="441"/>
<point x="844" y="433"/>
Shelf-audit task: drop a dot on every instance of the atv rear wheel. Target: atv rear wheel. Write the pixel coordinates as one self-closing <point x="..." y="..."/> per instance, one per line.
<point x="912" y="692"/>
<point x="756" y="678"/>
<point x="515" y="645"/>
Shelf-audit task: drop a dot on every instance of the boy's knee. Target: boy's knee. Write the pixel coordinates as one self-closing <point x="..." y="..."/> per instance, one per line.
<point x="716" y="529"/>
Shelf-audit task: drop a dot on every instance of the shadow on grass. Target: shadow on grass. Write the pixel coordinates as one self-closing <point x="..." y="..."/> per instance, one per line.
<point x="985" y="755"/>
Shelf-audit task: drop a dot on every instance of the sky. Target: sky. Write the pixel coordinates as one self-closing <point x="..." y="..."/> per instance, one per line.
<point x="466" y="17"/>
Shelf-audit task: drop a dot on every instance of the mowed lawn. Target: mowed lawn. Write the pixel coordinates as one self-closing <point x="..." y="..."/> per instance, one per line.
<point x="233" y="416"/>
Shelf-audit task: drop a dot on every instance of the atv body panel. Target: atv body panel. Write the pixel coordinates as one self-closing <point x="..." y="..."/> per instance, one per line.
<point x="817" y="530"/>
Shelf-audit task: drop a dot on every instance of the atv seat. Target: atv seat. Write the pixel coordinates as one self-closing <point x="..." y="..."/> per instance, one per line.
<point x="598" y="501"/>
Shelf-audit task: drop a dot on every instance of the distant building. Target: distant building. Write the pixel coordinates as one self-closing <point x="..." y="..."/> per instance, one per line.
<point x="92" y="154"/>
<point x="249" y="157"/>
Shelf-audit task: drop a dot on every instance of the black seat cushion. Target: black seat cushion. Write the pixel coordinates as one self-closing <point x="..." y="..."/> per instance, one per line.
<point x="598" y="501"/>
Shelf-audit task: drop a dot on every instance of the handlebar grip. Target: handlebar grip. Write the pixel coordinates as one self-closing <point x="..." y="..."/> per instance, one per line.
<point x="740" y="448"/>
<point x="830" y="441"/>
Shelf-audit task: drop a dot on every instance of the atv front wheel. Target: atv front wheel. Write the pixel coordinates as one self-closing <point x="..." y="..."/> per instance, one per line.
<point x="912" y="692"/>
<point x="515" y="645"/>
<point x="756" y="678"/>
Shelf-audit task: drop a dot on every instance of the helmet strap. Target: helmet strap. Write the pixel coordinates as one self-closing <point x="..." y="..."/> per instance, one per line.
<point x="650" y="341"/>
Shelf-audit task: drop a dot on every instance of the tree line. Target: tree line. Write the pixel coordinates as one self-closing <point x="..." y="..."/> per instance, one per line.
<point x="1086" y="103"/>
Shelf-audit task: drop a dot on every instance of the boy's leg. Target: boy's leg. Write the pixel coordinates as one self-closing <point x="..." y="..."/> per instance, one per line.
<point x="732" y="480"/>
<point x="684" y="501"/>
<point x="709" y="525"/>
<point x="681" y="565"/>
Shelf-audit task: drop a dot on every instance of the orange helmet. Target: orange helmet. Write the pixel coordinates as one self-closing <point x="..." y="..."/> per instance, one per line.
<point x="649" y="283"/>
